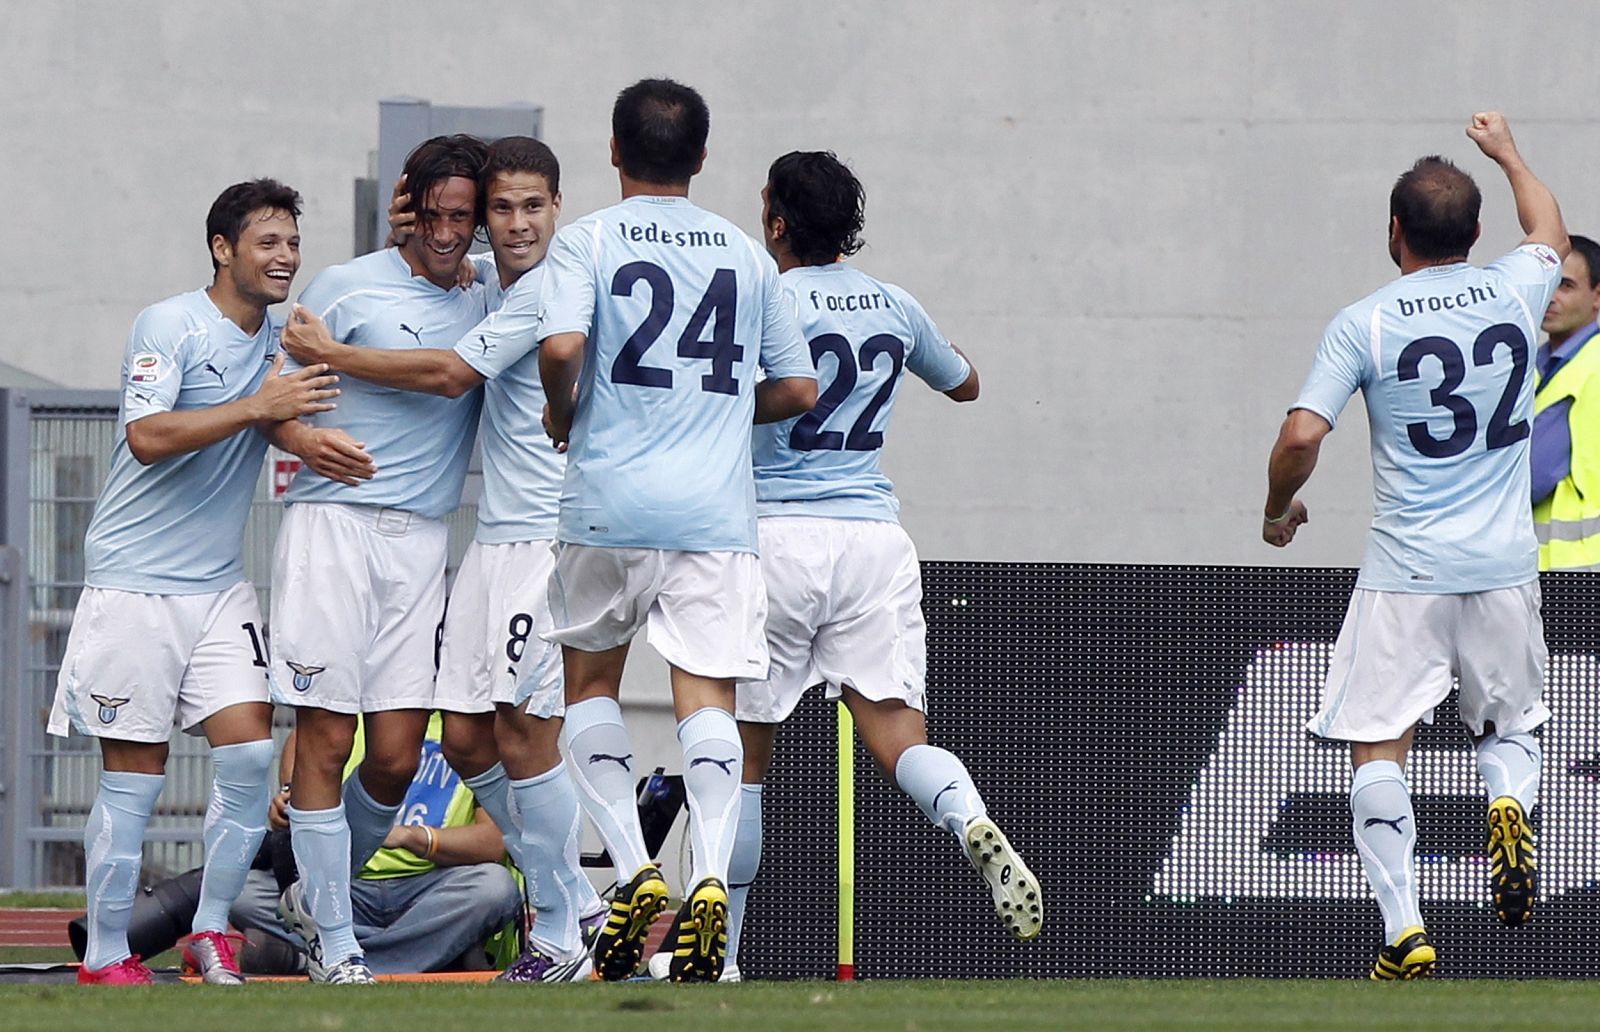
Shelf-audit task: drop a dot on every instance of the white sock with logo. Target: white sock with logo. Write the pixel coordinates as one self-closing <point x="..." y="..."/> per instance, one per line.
<point x="744" y="865"/>
<point x="713" y="763"/>
<point x="1510" y="765"/>
<point x="938" y="782"/>
<point x="600" y="759"/>
<point x="1385" y="829"/>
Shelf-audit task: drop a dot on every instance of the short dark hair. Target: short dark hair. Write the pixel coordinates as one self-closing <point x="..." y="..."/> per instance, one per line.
<point x="440" y="158"/>
<point x="660" y="127"/>
<point x="231" y="211"/>
<point x="1437" y="205"/>
<point x="517" y="154"/>
<point x="1591" y="257"/>
<point x="822" y="203"/>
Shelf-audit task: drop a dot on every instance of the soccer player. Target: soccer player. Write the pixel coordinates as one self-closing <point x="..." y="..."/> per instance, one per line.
<point x="658" y="314"/>
<point x="358" y="572"/>
<point x="499" y="683"/>
<point x="1449" y="585"/>
<point x="167" y="628"/>
<point x="844" y="587"/>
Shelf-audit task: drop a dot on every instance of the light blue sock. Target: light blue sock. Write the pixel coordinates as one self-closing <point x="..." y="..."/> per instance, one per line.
<point x="236" y="820"/>
<point x="938" y="782"/>
<point x="113" y="843"/>
<point x="744" y="865"/>
<point x="369" y="821"/>
<point x="1510" y="765"/>
<point x="602" y="769"/>
<point x="558" y="890"/>
<point x="492" y="790"/>
<point x="1385" y="829"/>
<point x="321" y="841"/>
<point x="713" y="764"/>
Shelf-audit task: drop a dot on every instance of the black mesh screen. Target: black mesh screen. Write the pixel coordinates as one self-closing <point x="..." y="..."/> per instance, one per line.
<point x="1137" y="731"/>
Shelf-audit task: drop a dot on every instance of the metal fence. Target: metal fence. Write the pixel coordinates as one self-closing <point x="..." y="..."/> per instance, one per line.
<point x="55" y="452"/>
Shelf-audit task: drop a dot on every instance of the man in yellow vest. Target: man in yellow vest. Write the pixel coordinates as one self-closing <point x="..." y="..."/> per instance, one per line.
<point x="1566" y="427"/>
<point x="437" y="888"/>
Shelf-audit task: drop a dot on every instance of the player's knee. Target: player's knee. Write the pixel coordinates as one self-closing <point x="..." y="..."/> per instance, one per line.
<point x="388" y="771"/>
<point x="469" y="744"/>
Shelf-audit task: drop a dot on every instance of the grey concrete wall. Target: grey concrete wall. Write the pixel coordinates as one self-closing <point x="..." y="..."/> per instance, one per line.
<point x="1136" y="217"/>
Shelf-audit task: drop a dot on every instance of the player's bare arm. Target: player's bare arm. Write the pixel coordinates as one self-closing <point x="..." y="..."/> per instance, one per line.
<point x="425" y="370"/>
<point x="1294" y="457"/>
<point x="785" y="398"/>
<point x="166" y="434"/>
<point x="966" y="390"/>
<point x="560" y="361"/>
<point x="1537" y="210"/>
<point x="329" y="451"/>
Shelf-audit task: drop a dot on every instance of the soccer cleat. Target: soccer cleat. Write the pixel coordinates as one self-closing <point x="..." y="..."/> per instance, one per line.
<point x="349" y="971"/>
<point x="124" y="972"/>
<point x="1410" y="956"/>
<point x="701" y="942"/>
<point x="589" y="928"/>
<point x="535" y="965"/>
<point x="1513" y="880"/>
<point x="297" y="919"/>
<point x="210" y="955"/>
<point x="1017" y="898"/>
<point x="661" y="963"/>
<point x="620" y="945"/>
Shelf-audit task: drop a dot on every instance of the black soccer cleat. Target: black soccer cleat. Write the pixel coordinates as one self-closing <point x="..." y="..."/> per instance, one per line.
<point x="700" y="943"/>
<point x="1513" y="879"/>
<point x="620" y="945"/>
<point x="1409" y="957"/>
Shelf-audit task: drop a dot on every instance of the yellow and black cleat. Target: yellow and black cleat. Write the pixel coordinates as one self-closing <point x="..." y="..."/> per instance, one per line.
<point x="1513" y="878"/>
<point x="620" y="945"/>
<point x="1411" y="956"/>
<point x="700" y="943"/>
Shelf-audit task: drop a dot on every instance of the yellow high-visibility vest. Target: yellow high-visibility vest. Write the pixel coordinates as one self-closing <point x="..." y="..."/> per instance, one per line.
<point x="1568" y="522"/>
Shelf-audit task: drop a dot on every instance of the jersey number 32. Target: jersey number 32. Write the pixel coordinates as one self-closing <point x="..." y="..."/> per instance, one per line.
<point x="1502" y="432"/>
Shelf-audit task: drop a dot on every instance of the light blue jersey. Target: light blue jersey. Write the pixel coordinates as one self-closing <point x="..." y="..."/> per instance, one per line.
<point x="176" y="527"/>
<point x="522" y="471"/>
<point x="1443" y="357"/>
<point x="420" y="442"/>
<point x="864" y="335"/>
<point x="680" y="308"/>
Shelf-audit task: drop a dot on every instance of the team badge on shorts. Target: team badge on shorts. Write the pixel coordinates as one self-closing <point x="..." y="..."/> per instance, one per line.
<point x="303" y="675"/>
<point x="109" y="704"/>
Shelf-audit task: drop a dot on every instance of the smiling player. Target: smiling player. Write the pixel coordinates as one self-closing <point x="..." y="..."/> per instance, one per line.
<point x="499" y="682"/>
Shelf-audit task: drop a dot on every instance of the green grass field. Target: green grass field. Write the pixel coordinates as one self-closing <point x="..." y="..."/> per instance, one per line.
<point x="775" y="1007"/>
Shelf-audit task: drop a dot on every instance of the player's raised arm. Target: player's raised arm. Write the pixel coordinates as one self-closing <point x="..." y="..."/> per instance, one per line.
<point x="426" y="370"/>
<point x="1537" y="209"/>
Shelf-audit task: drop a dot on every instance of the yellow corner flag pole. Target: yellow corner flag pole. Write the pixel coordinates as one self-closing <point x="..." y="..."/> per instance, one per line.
<point x="847" y="845"/>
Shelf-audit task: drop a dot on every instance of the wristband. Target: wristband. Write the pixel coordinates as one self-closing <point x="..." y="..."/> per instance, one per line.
<point x="433" y="842"/>
<point x="1275" y="520"/>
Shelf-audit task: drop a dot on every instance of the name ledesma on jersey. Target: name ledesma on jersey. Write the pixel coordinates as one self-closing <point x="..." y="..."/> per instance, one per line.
<point x="654" y="233"/>
<point x="1447" y="302"/>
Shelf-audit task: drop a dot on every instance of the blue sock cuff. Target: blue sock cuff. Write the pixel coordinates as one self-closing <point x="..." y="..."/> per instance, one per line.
<point x="558" y="771"/>
<point x="243" y="763"/>
<point x="355" y="792"/>
<point x="1377" y="771"/>
<point x="486" y="778"/>
<point x="599" y="710"/>
<point x="909" y="756"/>
<point x="748" y="789"/>
<point x="712" y="718"/>
<point x="312" y="818"/>
<point x="129" y="791"/>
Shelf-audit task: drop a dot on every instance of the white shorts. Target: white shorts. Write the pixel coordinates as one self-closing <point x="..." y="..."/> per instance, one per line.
<point x="705" y="612"/>
<point x="357" y="595"/>
<point x="136" y="663"/>
<point x="845" y="600"/>
<point x="493" y="650"/>
<point x="1398" y="653"/>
